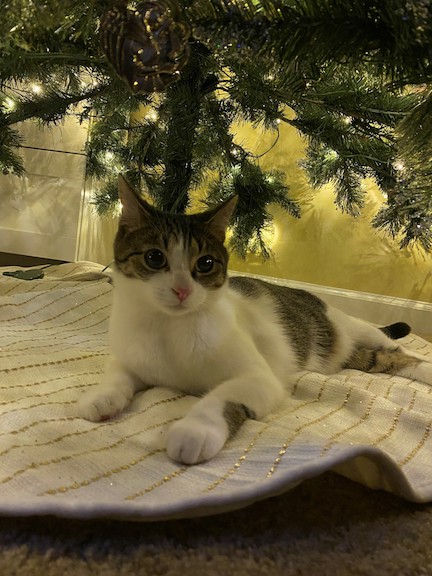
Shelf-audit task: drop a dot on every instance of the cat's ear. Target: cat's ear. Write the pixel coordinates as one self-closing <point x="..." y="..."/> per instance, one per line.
<point x="135" y="210"/>
<point x="217" y="220"/>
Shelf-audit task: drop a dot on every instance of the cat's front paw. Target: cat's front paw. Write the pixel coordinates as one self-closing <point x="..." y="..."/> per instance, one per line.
<point x="102" y="404"/>
<point x="192" y="440"/>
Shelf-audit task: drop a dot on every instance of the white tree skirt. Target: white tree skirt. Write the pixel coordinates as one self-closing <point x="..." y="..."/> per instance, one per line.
<point x="375" y="429"/>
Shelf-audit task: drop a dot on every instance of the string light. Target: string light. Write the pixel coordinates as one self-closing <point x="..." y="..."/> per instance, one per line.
<point x="36" y="89"/>
<point x="399" y="165"/>
<point x="331" y="155"/>
<point x="118" y="208"/>
<point x="87" y="81"/>
<point x="9" y="104"/>
<point x="152" y="115"/>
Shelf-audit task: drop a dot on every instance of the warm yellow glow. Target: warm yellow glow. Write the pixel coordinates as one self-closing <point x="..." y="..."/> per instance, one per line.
<point x="270" y="235"/>
<point x="118" y="207"/>
<point x="36" y="89"/>
<point x="151" y="115"/>
<point x="326" y="246"/>
<point x="9" y="104"/>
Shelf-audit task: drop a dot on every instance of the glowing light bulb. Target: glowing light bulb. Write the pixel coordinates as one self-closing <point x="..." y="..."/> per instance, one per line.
<point x="36" y="89"/>
<point x="152" y="115"/>
<point x="118" y="207"/>
<point x="331" y="155"/>
<point x="9" y="104"/>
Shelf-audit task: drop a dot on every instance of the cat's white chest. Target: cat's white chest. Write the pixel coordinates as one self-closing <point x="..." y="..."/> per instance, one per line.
<point x="173" y="352"/>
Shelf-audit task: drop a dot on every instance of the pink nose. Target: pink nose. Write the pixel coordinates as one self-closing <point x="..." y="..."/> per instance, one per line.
<point x="182" y="293"/>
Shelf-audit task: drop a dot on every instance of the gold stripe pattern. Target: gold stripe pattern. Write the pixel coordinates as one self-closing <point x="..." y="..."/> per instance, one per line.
<point x="62" y="313"/>
<point x="297" y="431"/>
<point x="413" y="399"/>
<point x="38" y="295"/>
<point x="418" y="447"/>
<point x="390" y="431"/>
<point x="252" y="444"/>
<point x="36" y="423"/>
<point x="53" y="362"/>
<point x="345" y="431"/>
<point x="249" y="447"/>
<point x="44" y="395"/>
<point x="88" y="431"/>
<point x="50" y="337"/>
<point x="158" y="484"/>
<point x="35" y="465"/>
<point x="107" y="474"/>
<point x="47" y="452"/>
<point x="77" y="376"/>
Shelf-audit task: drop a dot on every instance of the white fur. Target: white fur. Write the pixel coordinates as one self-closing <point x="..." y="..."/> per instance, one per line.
<point x="216" y="343"/>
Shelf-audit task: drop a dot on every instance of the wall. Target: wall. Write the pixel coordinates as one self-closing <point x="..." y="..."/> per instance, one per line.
<point x="328" y="247"/>
<point x="41" y="211"/>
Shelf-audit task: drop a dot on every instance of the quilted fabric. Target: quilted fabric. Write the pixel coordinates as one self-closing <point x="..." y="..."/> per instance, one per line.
<point x="375" y="429"/>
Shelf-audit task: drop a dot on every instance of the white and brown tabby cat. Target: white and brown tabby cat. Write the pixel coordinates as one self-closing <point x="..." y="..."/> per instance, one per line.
<point x="177" y="321"/>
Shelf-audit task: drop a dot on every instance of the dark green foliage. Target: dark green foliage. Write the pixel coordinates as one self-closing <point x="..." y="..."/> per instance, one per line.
<point x="255" y="190"/>
<point x="352" y="77"/>
<point x="10" y="161"/>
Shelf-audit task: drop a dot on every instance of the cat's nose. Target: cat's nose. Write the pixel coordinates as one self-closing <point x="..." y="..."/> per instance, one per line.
<point x="182" y="293"/>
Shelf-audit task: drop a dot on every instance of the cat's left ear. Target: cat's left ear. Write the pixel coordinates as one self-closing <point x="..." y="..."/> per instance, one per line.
<point x="134" y="209"/>
<point x="218" y="218"/>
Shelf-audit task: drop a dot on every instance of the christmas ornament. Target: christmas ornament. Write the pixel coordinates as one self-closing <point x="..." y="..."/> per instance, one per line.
<point x="147" y="45"/>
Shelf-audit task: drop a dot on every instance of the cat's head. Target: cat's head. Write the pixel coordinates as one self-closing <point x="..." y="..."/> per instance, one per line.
<point x="180" y="259"/>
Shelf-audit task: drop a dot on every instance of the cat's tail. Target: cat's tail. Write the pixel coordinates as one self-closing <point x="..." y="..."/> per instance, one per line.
<point x="396" y="330"/>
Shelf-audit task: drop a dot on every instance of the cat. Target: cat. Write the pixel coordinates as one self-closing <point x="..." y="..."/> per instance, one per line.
<point x="178" y="321"/>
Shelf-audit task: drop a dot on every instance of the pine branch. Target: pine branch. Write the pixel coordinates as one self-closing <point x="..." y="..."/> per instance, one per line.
<point x="394" y="37"/>
<point x="256" y="190"/>
<point x="51" y="106"/>
<point x="344" y="69"/>
<point x="181" y="108"/>
<point x="10" y="161"/>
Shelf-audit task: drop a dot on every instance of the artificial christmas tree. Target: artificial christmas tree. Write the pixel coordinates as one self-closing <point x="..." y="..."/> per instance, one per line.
<point x="163" y="81"/>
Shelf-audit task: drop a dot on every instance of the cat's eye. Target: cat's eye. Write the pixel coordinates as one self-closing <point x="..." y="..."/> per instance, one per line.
<point x="155" y="259"/>
<point x="204" y="264"/>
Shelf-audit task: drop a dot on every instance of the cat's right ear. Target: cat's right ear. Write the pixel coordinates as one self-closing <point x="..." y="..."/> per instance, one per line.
<point x="135" y="211"/>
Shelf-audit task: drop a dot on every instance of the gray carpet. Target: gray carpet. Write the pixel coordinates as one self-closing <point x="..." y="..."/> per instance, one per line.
<point x="326" y="526"/>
